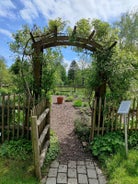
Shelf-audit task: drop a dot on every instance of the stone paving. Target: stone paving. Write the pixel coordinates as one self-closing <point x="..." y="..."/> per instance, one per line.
<point x="75" y="172"/>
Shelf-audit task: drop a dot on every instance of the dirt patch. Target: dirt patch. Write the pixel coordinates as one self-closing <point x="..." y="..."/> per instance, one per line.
<point x="62" y="122"/>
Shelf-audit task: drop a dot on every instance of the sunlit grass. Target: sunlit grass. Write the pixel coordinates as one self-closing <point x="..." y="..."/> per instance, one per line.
<point x="16" y="172"/>
<point x="122" y="170"/>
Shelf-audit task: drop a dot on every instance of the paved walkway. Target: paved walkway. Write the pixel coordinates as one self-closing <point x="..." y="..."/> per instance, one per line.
<point x="75" y="172"/>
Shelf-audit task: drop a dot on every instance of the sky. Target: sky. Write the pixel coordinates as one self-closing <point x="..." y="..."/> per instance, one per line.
<point x="15" y="13"/>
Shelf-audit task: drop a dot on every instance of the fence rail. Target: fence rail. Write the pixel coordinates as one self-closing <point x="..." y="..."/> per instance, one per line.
<point x="40" y="134"/>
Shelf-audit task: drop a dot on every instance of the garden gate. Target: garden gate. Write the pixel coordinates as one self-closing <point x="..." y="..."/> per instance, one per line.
<point x="40" y="134"/>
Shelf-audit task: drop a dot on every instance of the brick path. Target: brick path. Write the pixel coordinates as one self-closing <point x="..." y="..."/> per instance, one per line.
<point x="75" y="172"/>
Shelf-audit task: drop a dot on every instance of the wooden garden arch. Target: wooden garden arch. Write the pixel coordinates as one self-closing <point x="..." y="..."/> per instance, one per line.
<point x="54" y="39"/>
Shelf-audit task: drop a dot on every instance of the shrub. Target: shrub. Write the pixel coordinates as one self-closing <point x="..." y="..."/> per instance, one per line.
<point x="77" y="103"/>
<point x="16" y="149"/>
<point x="104" y="146"/>
<point x="69" y="99"/>
<point x="82" y="130"/>
<point x="133" y="139"/>
<point x="53" y="149"/>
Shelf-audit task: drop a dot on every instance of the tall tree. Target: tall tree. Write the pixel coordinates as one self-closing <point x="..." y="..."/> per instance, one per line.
<point x="73" y="74"/>
<point x="128" y="41"/>
<point x="5" y="75"/>
<point x="128" y="31"/>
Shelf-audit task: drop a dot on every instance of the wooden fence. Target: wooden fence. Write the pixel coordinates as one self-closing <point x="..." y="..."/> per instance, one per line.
<point x="106" y="119"/>
<point x="40" y="134"/>
<point x="15" y="113"/>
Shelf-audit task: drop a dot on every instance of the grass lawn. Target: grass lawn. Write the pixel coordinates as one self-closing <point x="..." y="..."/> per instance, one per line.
<point x="16" y="172"/>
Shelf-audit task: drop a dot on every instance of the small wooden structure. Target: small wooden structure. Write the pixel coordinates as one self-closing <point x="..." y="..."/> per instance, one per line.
<point x="54" y="39"/>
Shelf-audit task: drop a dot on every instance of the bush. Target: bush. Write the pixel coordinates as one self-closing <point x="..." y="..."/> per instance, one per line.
<point x="16" y="149"/>
<point x="104" y="146"/>
<point x="82" y="130"/>
<point x="69" y="99"/>
<point x="133" y="139"/>
<point x="53" y="149"/>
<point x="77" y="103"/>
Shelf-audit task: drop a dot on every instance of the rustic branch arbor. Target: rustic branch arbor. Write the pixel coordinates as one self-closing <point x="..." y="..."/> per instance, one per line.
<point x="54" y="39"/>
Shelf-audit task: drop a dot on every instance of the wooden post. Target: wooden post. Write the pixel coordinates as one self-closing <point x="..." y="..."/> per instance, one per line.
<point x="48" y="105"/>
<point x="3" y="106"/>
<point x="36" y="147"/>
<point x="37" y="70"/>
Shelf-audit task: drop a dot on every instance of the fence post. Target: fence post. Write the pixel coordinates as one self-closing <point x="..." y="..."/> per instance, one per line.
<point x="36" y="147"/>
<point x="48" y="105"/>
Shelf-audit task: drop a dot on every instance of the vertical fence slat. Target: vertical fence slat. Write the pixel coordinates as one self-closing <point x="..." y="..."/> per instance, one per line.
<point x="3" y="115"/>
<point x="13" y="123"/>
<point x="137" y="114"/>
<point x="133" y="113"/>
<point x="99" y="115"/>
<point x="8" y="117"/>
<point x="24" y="113"/>
<point x="93" y="119"/>
<point x="18" y="118"/>
<point x="104" y="107"/>
<point x="28" y="115"/>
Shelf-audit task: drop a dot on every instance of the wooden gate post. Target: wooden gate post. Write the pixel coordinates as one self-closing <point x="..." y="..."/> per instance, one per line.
<point x="36" y="147"/>
<point x="37" y="70"/>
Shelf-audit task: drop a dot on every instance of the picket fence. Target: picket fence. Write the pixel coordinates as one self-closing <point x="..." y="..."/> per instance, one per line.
<point x="104" y="117"/>
<point x="15" y="111"/>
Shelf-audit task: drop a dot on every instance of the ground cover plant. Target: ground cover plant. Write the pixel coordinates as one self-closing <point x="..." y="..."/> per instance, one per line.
<point x="110" y="151"/>
<point x="16" y="164"/>
<point x="53" y="150"/>
<point x="82" y="130"/>
<point x="121" y="170"/>
<point x="16" y="160"/>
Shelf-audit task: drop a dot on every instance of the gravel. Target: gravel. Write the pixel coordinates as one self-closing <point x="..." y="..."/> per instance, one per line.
<point x="62" y="122"/>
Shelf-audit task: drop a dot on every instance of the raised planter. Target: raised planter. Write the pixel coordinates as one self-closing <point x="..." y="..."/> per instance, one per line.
<point x="60" y="100"/>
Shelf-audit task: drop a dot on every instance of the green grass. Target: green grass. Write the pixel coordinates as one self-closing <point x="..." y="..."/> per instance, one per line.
<point x="17" y="172"/>
<point x="16" y="164"/>
<point x="16" y="160"/>
<point x="121" y="170"/>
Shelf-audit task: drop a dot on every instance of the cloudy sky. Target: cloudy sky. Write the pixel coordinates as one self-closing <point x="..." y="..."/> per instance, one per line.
<point x="15" y="13"/>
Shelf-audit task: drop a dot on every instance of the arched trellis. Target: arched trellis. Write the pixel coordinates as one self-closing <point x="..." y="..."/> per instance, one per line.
<point x="54" y="39"/>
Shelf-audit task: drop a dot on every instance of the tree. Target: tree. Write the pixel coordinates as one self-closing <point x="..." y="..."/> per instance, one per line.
<point x="128" y="41"/>
<point x="24" y="67"/>
<point x="5" y="75"/>
<point x="51" y="73"/>
<point x="73" y="74"/>
<point x="128" y="31"/>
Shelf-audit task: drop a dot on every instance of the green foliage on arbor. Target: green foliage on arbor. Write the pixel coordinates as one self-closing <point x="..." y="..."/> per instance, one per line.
<point x="113" y="68"/>
<point x="53" y="71"/>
